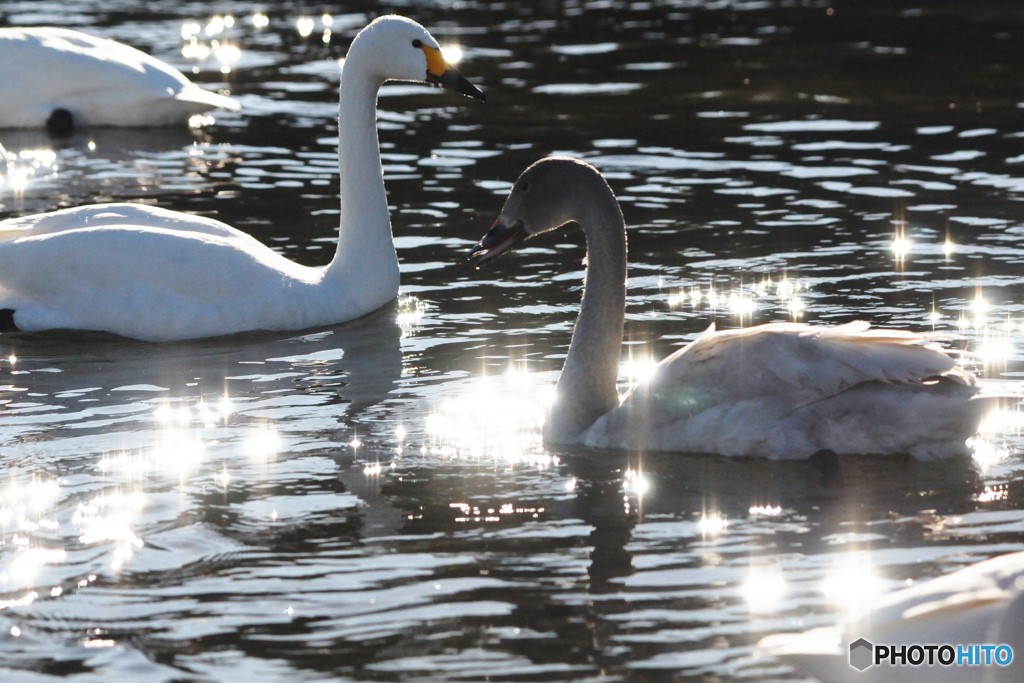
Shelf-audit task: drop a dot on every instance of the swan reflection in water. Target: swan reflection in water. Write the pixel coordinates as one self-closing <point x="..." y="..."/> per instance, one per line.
<point x="164" y="432"/>
<point x="103" y="162"/>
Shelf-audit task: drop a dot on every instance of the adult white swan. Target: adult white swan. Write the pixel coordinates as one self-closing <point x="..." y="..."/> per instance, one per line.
<point x="62" y="79"/>
<point x="161" y="275"/>
<point x="781" y="390"/>
<point x="980" y="605"/>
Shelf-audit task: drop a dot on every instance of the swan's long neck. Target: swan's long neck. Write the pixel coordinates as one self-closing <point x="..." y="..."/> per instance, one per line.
<point x="586" y="389"/>
<point x="365" y="264"/>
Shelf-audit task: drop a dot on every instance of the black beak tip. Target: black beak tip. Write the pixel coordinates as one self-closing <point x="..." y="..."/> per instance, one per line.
<point x="455" y="81"/>
<point x="478" y="255"/>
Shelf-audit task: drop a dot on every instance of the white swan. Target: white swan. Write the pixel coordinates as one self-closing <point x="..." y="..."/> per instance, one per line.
<point x="61" y="79"/>
<point x="161" y="275"/>
<point x="982" y="604"/>
<point x="780" y="390"/>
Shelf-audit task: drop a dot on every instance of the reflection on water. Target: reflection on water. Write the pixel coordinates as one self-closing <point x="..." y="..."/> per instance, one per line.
<point x="373" y="501"/>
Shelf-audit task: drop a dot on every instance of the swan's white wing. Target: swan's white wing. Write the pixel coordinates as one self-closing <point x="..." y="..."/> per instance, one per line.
<point x="99" y="215"/>
<point x="976" y="605"/>
<point x="101" y="82"/>
<point x="787" y="390"/>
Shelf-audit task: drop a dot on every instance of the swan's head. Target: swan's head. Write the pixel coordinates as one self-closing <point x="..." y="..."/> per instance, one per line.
<point x="550" y="193"/>
<point x="398" y="49"/>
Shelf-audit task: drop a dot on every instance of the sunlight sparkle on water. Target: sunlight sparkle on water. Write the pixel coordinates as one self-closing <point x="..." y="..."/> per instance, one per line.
<point x="901" y="246"/>
<point x="227" y="55"/>
<point x="223" y="477"/>
<point x="263" y="442"/>
<point x="712" y="524"/>
<point x="745" y="300"/>
<point x="27" y="506"/>
<point x="190" y="29"/>
<point x="764" y="588"/>
<point x="993" y="349"/>
<point x="27" y="562"/>
<point x="24" y="601"/>
<point x="635" y="482"/>
<point x="477" y="513"/>
<point x="195" y="50"/>
<point x="995" y="493"/>
<point x="987" y="446"/>
<point x="110" y="517"/>
<point x="497" y="416"/>
<point x="851" y="581"/>
<point x="451" y="53"/>
<point x="410" y="313"/>
<point x="216" y="25"/>
<point x="304" y="25"/>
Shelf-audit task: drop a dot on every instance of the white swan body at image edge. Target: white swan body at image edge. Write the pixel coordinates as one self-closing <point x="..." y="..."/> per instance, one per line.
<point x="982" y="604"/>
<point x="781" y="390"/>
<point x="162" y="275"/>
<point x="95" y="81"/>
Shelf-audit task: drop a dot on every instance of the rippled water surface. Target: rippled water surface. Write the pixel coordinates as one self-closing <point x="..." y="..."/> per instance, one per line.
<point x="372" y="501"/>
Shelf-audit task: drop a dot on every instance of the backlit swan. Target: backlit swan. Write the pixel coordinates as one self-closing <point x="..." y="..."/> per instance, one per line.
<point x="61" y="79"/>
<point x="982" y="604"/>
<point x="162" y="275"/>
<point x="780" y="390"/>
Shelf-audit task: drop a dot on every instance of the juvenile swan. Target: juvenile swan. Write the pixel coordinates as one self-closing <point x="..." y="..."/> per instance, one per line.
<point x="62" y="79"/>
<point x="781" y="390"/>
<point x="979" y="605"/>
<point x="161" y="275"/>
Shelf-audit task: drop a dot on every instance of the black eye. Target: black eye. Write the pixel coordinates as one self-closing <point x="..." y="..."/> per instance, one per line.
<point x="524" y="186"/>
<point x="417" y="43"/>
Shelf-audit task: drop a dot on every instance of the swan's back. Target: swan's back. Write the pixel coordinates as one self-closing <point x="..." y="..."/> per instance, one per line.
<point x="100" y="82"/>
<point x="787" y="390"/>
<point x="121" y="213"/>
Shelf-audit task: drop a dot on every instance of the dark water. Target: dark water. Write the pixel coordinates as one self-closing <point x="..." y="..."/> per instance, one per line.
<point x="372" y="501"/>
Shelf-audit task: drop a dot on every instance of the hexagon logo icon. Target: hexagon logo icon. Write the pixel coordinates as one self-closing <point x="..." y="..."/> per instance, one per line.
<point x="861" y="654"/>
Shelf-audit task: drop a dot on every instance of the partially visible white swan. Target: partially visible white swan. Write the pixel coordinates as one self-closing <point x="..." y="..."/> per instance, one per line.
<point x="161" y="275"/>
<point x="62" y="79"/>
<point x="781" y="390"/>
<point x="980" y="605"/>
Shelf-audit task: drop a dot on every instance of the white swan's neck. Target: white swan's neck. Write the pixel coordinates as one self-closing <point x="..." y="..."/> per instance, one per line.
<point x="587" y="386"/>
<point x="365" y="264"/>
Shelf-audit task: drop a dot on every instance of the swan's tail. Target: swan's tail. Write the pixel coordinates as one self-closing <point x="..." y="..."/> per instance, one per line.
<point x="206" y="100"/>
<point x="989" y="389"/>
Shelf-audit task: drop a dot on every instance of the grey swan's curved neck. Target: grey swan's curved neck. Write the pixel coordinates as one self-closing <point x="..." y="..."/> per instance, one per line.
<point x="586" y="389"/>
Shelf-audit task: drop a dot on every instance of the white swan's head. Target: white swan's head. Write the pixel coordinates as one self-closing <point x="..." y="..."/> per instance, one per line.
<point x="550" y="193"/>
<point x="394" y="48"/>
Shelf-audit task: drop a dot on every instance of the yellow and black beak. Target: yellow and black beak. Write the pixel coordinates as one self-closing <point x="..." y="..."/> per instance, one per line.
<point x="443" y="74"/>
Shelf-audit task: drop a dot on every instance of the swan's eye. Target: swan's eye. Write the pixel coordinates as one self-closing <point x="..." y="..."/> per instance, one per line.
<point x="524" y="186"/>
<point x="417" y="43"/>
